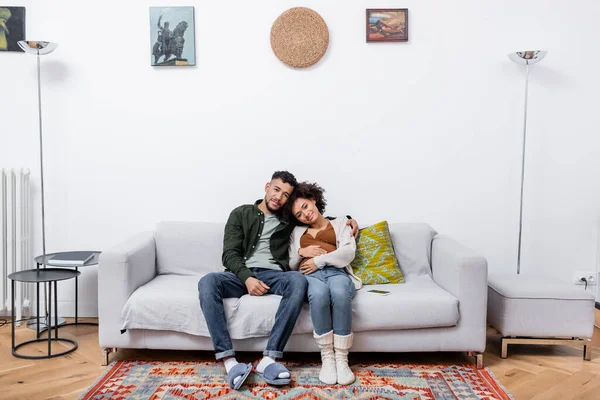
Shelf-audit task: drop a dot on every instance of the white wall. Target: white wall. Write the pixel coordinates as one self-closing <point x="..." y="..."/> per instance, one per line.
<point x="428" y="130"/>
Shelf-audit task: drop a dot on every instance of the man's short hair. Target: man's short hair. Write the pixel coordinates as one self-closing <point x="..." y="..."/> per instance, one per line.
<point x="286" y="177"/>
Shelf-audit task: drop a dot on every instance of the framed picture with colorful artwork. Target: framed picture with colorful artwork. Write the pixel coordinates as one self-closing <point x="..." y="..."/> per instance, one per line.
<point x="387" y="24"/>
<point x="172" y="37"/>
<point x="12" y="27"/>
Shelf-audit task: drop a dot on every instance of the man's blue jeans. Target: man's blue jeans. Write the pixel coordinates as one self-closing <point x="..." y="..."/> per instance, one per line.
<point x="330" y="294"/>
<point x="216" y="286"/>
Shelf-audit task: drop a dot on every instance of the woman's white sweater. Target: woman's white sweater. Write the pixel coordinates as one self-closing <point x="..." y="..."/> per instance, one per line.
<point x="340" y="258"/>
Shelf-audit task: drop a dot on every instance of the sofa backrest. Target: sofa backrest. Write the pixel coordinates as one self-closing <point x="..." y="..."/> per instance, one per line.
<point x="195" y="248"/>
<point x="189" y="248"/>
<point x="412" y="245"/>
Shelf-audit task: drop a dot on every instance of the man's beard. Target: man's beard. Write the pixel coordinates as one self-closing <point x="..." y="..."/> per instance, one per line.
<point x="269" y="207"/>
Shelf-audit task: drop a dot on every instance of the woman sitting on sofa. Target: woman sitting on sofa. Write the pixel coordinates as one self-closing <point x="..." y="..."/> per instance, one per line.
<point x="322" y="250"/>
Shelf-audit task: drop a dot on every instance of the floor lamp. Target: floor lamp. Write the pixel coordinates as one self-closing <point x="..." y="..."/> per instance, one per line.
<point x="39" y="48"/>
<point x="524" y="58"/>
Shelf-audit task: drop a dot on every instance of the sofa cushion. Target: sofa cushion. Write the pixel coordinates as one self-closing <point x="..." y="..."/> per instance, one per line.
<point x="412" y="244"/>
<point x="170" y="302"/>
<point x="195" y="248"/>
<point x="418" y="303"/>
<point x="539" y="306"/>
<point x="524" y="286"/>
<point x="189" y="248"/>
<point x="375" y="261"/>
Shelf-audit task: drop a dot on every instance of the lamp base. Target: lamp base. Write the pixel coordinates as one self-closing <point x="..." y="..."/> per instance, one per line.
<point x="32" y="324"/>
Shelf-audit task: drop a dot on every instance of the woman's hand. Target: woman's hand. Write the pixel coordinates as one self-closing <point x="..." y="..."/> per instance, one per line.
<point x="308" y="266"/>
<point x="311" y="251"/>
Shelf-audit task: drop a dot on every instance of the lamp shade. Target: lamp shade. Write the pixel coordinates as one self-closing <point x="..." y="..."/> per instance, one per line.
<point x="527" y="57"/>
<point x="37" y="47"/>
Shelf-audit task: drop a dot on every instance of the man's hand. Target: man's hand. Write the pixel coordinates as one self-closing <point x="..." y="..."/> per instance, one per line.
<point x="256" y="287"/>
<point x="308" y="266"/>
<point x="354" y="227"/>
<point x="311" y="251"/>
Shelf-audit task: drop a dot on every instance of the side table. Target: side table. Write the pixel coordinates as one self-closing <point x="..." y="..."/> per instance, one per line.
<point x="47" y="260"/>
<point x="37" y="276"/>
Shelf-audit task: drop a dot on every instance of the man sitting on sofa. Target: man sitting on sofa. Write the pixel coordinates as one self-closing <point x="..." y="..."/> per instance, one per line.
<point x="255" y="256"/>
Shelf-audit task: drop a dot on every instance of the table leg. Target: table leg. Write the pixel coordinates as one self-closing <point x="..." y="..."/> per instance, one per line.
<point x="13" y="312"/>
<point x="64" y="323"/>
<point x="48" y="319"/>
<point x="38" y="303"/>
<point x="76" y="295"/>
<point x="55" y="309"/>
<point x="37" y="300"/>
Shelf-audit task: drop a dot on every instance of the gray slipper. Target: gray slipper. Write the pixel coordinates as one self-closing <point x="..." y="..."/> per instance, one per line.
<point x="271" y="373"/>
<point x="242" y="370"/>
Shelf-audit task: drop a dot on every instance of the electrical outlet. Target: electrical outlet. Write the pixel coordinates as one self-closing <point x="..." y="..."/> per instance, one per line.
<point x="590" y="276"/>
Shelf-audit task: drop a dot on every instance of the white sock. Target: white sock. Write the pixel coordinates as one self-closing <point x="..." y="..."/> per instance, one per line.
<point x="230" y="363"/>
<point x="265" y="362"/>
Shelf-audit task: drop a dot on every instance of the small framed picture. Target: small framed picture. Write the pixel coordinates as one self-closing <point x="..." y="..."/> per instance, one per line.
<point x="12" y="27"/>
<point x="387" y="24"/>
<point x="172" y="37"/>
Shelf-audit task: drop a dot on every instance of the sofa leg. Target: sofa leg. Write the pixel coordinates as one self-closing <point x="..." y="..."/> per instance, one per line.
<point x="504" y="353"/>
<point x="587" y="348"/>
<point x="587" y="352"/>
<point x="478" y="358"/>
<point x="105" y="353"/>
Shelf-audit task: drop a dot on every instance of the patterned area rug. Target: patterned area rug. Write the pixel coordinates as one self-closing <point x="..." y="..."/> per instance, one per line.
<point x="206" y="380"/>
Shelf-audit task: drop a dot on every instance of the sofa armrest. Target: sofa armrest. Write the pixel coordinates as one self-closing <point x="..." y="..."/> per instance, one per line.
<point x="121" y="270"/>
<point x="463" y="273"/>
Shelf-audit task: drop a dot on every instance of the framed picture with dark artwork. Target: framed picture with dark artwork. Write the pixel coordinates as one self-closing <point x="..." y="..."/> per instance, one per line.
<point x="12" y="27"/>
<point x="387" y="24"/>
<point x="172" y="37"/>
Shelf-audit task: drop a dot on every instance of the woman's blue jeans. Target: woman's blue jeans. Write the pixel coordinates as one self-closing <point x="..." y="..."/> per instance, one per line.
<point x="330" y="293"/>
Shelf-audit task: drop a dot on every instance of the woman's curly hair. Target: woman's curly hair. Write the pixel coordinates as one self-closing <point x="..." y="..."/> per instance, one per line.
<point x="310" y="191"/>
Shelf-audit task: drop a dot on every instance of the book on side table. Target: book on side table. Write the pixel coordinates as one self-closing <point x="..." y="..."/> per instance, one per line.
<point x="74" y="258"/>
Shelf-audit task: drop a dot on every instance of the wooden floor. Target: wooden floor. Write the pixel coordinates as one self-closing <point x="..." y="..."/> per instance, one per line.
<point x="530" y="372"/>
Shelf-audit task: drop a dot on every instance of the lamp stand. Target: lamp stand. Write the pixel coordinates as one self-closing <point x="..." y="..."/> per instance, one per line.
<point x="526" y="58"/>
<point x="523" y="169"/>
<point x="41" y="155"/>
<point x="38" y="48"/>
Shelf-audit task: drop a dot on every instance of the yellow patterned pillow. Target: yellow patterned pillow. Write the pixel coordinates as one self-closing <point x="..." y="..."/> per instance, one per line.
<point x="375" y="261"/>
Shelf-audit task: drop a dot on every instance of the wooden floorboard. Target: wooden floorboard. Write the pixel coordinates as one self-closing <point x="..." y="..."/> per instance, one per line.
<point x="529" y="372"/>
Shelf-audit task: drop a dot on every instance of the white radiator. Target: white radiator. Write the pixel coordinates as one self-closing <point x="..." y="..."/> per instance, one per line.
<point x="16" y="247"/>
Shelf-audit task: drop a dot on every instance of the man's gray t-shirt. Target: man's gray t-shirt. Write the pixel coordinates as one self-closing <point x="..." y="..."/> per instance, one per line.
<point x="262" y="257"/>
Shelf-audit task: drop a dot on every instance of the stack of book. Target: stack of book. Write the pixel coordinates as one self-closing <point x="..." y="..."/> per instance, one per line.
<point x="74" y="258"/>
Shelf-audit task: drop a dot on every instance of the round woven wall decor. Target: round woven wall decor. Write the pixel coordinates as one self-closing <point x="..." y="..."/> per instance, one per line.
<point x="299" y="37"/>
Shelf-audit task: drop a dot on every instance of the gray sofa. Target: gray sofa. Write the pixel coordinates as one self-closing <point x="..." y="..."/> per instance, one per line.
<point x="148" y="296"/>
